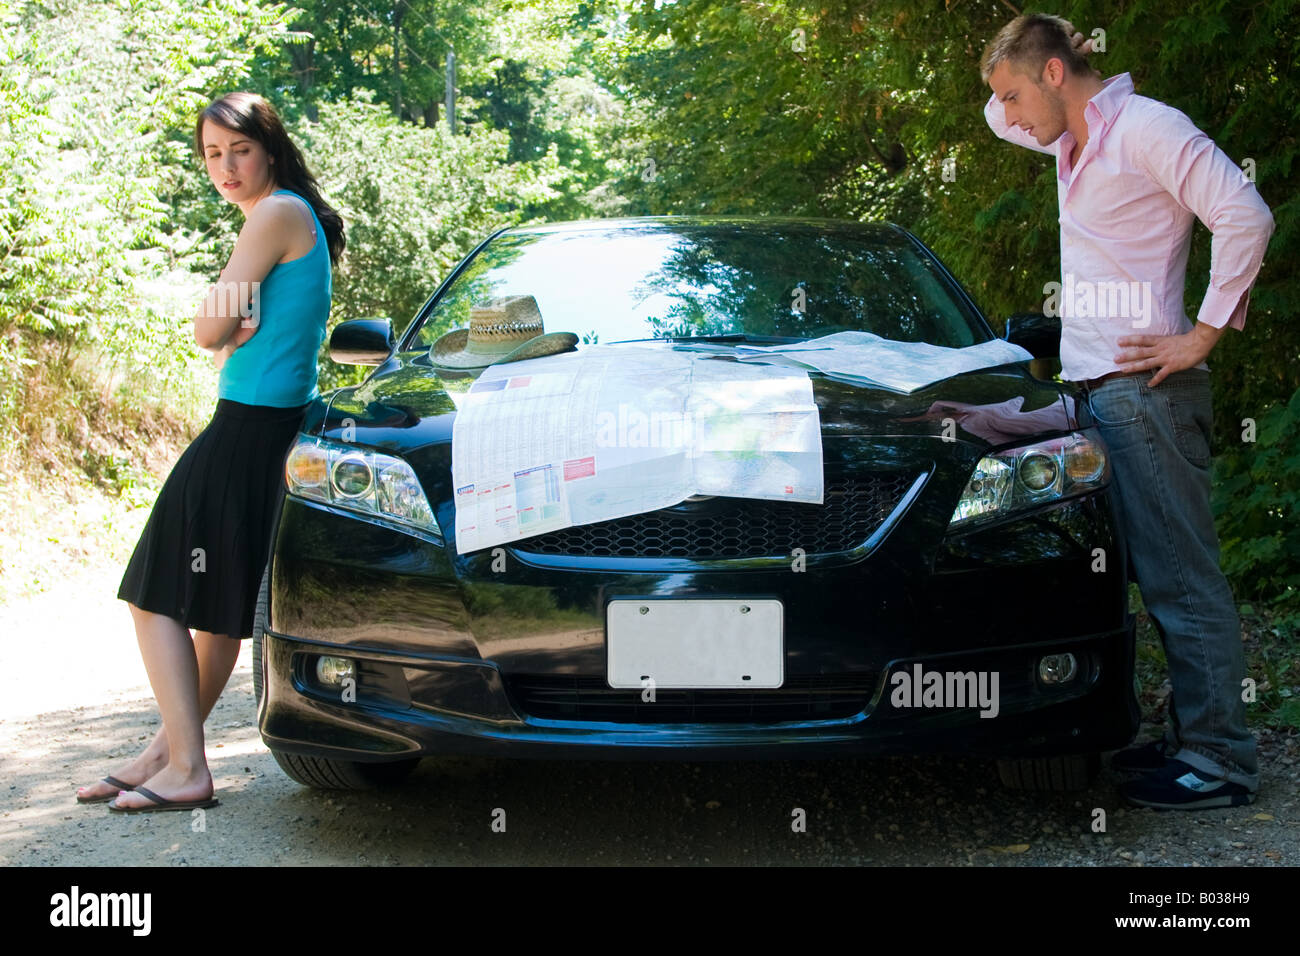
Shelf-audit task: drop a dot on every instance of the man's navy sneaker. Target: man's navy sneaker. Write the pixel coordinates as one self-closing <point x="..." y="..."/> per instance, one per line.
<point x="1144" y="759"/>
<point x="1180" y="786"/>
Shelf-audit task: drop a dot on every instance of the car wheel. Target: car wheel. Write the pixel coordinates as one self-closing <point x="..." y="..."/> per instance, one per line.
<point x="259" y="626"/>
<point x="323" y="773"/>
<point x="1069" y="772"/>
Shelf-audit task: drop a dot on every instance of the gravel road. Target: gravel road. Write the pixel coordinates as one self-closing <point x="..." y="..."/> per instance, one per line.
<point x="80" y="705"/>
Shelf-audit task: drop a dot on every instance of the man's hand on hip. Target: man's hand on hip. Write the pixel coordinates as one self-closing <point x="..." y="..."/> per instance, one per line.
<point x="1168" y="353"/>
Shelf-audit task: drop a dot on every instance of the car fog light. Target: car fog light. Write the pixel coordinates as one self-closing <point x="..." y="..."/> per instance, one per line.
<point x="1057" y="668"/>
<point x="333" y="671"/>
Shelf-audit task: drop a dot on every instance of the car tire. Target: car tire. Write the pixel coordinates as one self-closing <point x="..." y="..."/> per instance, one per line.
<point x="1069" y="772"/>
<point x="259" y="627"/>
<point x="324" y="773"/>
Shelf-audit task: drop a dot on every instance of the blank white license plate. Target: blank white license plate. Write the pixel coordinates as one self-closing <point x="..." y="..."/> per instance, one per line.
<point x="695" y="642"/>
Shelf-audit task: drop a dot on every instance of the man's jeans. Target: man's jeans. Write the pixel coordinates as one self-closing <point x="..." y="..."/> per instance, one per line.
<point x="1159" y="443"/>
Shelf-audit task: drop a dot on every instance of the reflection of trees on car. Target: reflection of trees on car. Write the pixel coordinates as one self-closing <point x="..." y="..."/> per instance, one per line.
<point x="669" y="279"/>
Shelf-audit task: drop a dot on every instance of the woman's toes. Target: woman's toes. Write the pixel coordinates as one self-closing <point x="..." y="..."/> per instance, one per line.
<point x="170" y="786"/>
<point x="97" y="789"/>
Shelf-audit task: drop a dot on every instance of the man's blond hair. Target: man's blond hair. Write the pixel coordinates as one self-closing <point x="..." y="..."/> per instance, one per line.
<point x="1028" y="42"/>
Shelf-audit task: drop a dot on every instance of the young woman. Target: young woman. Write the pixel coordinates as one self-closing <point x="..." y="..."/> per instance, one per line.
<point x="199" y="562"/>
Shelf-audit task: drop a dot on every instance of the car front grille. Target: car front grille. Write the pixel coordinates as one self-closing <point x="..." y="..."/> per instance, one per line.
<point x="728" y="528"/>
<point x="807" y="697"/>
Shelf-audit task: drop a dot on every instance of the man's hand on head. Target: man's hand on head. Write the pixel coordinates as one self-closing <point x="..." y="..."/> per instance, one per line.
<point x="1077" y="40"/>
<point x="1168" y="353"/>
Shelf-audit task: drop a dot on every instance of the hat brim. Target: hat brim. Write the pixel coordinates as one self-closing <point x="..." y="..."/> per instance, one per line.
<point x="551" y="343"/>
<point x="449" y="350"/>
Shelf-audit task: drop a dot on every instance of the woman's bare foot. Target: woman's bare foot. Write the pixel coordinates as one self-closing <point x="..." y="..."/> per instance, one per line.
<point x="170" y="783"/>
<point x="150" y="761"/>
<point x="216" y="656"/>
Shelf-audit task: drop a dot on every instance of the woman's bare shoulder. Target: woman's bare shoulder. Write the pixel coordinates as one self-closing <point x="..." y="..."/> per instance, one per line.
<point x="286" y="206"/>
<point x="289" y="215"/>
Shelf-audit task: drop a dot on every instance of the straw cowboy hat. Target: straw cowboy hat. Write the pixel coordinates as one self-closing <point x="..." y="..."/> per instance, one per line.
<point x="504" y="329"/>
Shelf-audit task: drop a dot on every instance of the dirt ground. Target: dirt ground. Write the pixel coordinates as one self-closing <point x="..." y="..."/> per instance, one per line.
<point x="80" y="705"/>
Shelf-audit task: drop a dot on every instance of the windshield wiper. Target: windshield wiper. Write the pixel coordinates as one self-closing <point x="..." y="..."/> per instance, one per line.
<point x="727" y="337"/>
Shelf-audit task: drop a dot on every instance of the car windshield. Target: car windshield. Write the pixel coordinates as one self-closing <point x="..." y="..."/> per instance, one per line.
<point x="789" y="281"/>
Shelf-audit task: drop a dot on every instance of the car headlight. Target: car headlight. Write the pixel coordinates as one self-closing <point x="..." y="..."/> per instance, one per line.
<point x="356" y="479"/>
<point x="1018" y="478"/>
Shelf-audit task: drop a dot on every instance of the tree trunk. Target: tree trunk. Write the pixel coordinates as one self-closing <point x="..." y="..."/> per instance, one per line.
<point x="344" y="33"/>
<point x="398" y="13"/>
<point x="302" y="56"/>
<point x="303" y="59"/>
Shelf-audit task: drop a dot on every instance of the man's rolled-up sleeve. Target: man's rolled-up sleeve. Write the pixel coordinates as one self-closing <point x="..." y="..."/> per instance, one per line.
<point x="996" y="116"/>
<point x="1190" y="167"/>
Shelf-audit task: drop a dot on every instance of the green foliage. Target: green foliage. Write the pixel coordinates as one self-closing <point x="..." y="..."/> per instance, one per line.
<point x="1256" y="499"/>
<point x="91" y="92"/>
<point x="1232" y="71"/>
<point x="414" y="202"/>
<point x="15" y="366"/>
<point x="848" y="110"/>
<point x="88" y="91"/>
<point x="526" y="69"/>
<point x="110" y="229"/>
<point x="46" y="280"/>
<point x="120" y="475"/>
<point x="1279" y="691"/>
<point x="397" y="51"/>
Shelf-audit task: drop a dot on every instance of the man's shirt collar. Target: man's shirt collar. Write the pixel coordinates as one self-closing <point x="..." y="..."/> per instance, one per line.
<point x="1108" y="100"/>
<point x="1099" y="113"/>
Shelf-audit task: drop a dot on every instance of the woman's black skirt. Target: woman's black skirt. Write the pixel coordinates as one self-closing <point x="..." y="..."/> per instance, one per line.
<point x="202" y="553"/>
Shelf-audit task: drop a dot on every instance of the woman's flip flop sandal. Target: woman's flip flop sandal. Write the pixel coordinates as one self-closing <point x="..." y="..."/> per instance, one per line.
<point x="163" y="803"/>
<point x="112" y="782"/>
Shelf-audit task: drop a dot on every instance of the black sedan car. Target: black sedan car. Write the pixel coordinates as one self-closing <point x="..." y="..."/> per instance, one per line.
<point x="960" y="587"/>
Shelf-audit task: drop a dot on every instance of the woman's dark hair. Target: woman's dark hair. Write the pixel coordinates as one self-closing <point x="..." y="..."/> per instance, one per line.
<point x="257" y="119"/>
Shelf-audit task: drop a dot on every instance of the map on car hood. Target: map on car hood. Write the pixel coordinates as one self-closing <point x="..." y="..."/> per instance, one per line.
<point x="867" y="359"/>
<point x="614" y="430"/>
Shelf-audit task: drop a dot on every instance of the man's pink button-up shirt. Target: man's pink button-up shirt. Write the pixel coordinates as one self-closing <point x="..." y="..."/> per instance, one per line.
<point x="1126" y="212"/>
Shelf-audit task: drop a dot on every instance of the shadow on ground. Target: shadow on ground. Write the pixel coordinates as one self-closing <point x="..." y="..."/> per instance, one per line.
<point x="910" y="811"/>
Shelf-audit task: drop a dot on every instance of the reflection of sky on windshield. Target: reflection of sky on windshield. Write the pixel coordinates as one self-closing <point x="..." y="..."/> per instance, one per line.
<point x="607" y="273"/>
<point x="621" y="284"/>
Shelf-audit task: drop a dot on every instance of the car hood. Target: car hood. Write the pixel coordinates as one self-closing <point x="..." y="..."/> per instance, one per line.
<point x="404" y="406"/>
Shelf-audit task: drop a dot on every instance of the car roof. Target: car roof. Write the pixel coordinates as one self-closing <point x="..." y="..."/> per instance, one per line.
<point x="760" y="223"/>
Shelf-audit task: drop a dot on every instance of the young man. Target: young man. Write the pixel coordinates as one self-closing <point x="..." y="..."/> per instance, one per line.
<point x="1132" y="174"/>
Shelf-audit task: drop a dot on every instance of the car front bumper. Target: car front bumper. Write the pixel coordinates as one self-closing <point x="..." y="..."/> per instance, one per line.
<point x="422" y="707"/>
<point x="450" y="661"/>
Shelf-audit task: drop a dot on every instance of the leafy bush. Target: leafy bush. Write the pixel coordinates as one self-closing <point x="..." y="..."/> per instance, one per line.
<point x="1256" y="500"/>
<point x="92" y="96"/>
<point x="414" y="201"/>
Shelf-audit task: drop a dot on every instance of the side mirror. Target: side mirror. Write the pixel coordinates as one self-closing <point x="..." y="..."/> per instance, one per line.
<point x="362" y="342"/>
<point x="1038" y="334"/>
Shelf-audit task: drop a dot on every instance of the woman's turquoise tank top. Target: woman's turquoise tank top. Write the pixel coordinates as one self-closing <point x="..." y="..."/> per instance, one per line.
<point x="277" y="366"/>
